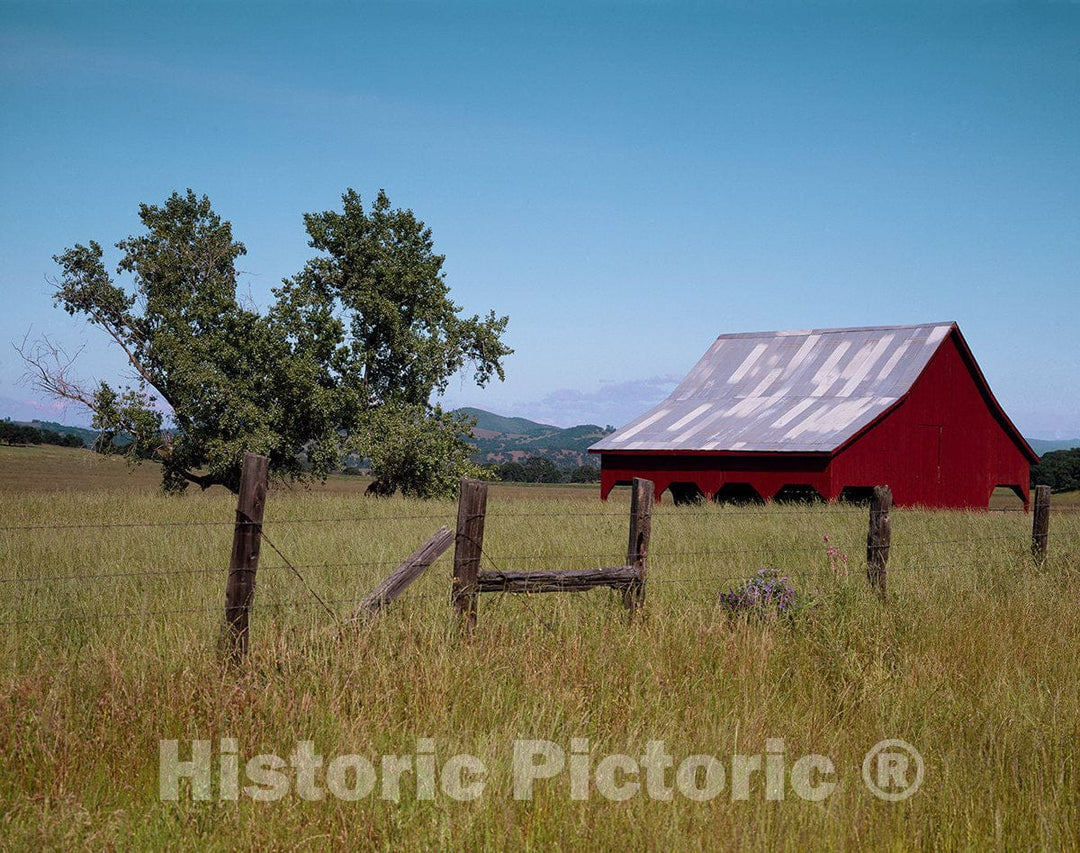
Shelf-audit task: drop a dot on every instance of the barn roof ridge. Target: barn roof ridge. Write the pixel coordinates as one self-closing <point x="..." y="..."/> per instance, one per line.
<point x="830" y="331"/>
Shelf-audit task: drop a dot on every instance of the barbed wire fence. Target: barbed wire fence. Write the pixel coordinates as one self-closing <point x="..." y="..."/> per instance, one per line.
<point x="519" y="574"/>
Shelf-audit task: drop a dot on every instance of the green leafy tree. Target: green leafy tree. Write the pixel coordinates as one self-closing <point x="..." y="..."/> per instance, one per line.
<point x="541" y="470"/>
<point x="420" y="452"/>
<point x="585" y="474"/>
<point x="374" y="307"/>
<point x="1058" y="469"/>
<point x="512" y="472"/>
<point x="18" y="433"/>
<point x="345" y="360"/>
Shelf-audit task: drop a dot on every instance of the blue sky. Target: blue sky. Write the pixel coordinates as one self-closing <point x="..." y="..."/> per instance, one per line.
<point x="626" y="180"/>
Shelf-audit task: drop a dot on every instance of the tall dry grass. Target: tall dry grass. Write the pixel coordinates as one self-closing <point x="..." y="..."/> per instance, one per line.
<point x="973" y="661"/>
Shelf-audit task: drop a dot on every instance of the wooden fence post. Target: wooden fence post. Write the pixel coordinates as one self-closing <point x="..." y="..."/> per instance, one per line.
<point x="1040" y="523"/>
<point x="399" y="579"/>
<point x="468" y="548"/>
<point x="247" y="537"/>
<point x="878" y="539"/>
<point x="637" y="551"/>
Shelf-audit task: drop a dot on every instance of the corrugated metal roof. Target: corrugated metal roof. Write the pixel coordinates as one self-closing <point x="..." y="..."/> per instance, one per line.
<point x="801" y="391"/>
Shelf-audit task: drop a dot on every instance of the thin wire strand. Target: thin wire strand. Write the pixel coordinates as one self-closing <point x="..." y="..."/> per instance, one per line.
<point x="296" y="572"/>
<point x="87" y="617"/>
<point x="223" y="570"/>
<point x="717" y="513"/>
<point x="298" y="603"/>
<point x="517" y="558"/>
<point x="108" y="525"/>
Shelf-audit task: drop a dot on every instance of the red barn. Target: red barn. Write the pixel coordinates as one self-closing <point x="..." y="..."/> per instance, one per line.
<point x="832" y="411"/>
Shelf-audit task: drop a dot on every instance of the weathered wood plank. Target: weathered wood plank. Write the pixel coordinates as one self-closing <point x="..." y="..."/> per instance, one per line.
<point x="398" y="580"/>
<point x="572" y="580"/>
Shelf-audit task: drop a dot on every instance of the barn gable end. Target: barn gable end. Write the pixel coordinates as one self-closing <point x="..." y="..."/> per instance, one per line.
<point x="828" y="410"/>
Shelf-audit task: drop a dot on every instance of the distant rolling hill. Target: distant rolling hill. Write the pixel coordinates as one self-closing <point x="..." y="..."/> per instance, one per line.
<point x="1042" y="446"/>
<point x="503" y="439"/>
<point x="88" y="436"/>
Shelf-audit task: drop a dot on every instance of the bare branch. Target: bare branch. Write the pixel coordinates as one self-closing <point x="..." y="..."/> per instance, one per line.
<point x="48" y="369"/>
<point x="115" y="333"/>
<point x="123" y="336"/>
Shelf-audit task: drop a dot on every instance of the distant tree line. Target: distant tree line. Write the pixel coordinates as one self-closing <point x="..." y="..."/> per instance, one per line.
<point x="11" y="433"/>
<point x="1058" y="469"/>
<point x="537" y="469"/>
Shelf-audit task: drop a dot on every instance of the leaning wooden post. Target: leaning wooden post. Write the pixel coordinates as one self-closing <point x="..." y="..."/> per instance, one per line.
<point x="637" y="551"/>
<point x="399" y="579"/>
<point x="1040" y="523"/>
<point x="878" y="539"/>
<point x="247" y="536"/>
<point x="468" y="548"/>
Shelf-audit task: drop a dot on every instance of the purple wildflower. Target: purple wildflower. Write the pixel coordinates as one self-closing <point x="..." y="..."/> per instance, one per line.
<point x="765" y="592"/>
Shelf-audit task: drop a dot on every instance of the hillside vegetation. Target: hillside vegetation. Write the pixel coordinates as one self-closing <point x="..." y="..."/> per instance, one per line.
<point x="499" y="439"/>
<point x="12" y="433"/>
<point x="108" y="642"/>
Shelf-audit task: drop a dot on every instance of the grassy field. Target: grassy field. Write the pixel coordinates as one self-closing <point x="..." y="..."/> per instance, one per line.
<point x="61" y="469"/>
<point x="108" y="646"/>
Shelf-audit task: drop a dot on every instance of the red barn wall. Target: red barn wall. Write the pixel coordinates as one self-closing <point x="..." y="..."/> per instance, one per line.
<point x="767" y="473"/>
<point x="943" y="446"/>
